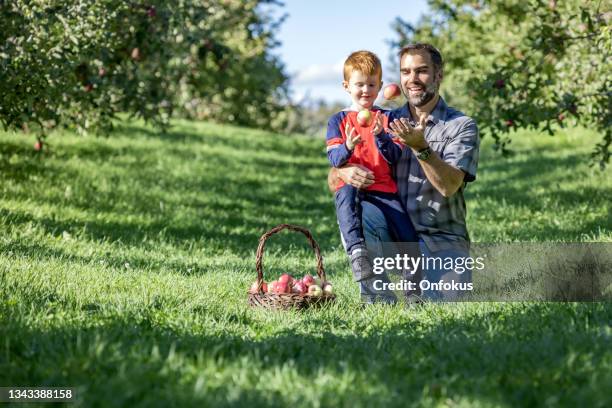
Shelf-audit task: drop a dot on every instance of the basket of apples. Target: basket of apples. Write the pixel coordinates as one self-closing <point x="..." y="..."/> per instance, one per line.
<point x="288" y="292"/>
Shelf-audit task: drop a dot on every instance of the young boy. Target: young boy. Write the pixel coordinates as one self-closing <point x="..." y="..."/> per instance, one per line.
<point x="370" y="146"/>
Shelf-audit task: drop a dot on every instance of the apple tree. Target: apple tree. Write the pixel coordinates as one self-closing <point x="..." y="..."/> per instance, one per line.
<point x="77" y="63"/>
<point x="513" y="64"/>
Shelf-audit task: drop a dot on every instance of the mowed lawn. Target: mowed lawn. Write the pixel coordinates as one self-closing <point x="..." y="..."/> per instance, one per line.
<point x="124" y="265"/>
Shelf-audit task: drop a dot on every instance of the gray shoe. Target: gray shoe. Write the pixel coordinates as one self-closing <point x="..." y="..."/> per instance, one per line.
<point x="412" y="300"/>
<point x="361" y="265"/>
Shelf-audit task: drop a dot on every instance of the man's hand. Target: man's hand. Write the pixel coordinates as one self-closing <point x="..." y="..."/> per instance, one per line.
<point x="353" y="137"/>
<point x="413" y="137"/>
<point x="355" y="175"/>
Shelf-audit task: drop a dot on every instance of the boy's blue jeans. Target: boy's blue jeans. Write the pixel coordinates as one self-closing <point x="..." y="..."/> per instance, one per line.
<point x="349" y="201"/>
<point x="376" y="232"/>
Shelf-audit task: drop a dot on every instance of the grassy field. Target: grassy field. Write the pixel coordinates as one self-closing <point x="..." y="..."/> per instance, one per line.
<point x="124" y="264"/>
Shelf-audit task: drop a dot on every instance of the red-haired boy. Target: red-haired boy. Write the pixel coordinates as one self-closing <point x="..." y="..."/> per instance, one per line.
<point x="369" y="146"/>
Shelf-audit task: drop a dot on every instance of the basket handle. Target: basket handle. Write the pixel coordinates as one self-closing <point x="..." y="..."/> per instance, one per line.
<point x="262" y="244"/>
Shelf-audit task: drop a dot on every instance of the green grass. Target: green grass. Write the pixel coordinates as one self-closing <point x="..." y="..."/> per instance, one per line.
<point x="124" y="264"/>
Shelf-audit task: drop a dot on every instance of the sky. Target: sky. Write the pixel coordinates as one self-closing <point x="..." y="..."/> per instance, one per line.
<point x="318" y="35"/>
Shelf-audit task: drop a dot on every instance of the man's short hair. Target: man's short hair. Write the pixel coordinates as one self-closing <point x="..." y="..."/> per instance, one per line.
<point x="434" y="53"/>
<point x="363" y="61"/>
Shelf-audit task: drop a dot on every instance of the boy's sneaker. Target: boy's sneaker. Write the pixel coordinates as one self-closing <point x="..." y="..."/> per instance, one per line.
<point x="360" y="264"/>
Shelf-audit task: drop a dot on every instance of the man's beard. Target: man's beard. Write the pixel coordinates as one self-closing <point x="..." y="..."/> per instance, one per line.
<point x="427" y="95"/>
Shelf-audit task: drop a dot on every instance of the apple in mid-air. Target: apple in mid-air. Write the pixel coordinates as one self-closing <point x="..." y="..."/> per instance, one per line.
<point x="364" y="118"/>
<point x="391" y="92"/>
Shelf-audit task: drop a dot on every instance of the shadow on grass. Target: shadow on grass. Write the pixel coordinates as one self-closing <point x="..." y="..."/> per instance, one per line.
<point x="232" y="137"/>
<point x="139" y="358"/>
<point x="536" y="185"/>
<point x="228" y="207"/>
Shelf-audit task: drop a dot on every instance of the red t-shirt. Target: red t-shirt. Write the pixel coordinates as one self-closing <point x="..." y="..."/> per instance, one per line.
<point x="365" y="153"/>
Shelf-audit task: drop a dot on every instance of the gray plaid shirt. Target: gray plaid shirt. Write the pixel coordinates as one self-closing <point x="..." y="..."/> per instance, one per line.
<point x="439" y="221"/>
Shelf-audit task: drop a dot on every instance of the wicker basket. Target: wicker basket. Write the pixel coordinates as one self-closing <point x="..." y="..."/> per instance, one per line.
<point x="287" y="300"/>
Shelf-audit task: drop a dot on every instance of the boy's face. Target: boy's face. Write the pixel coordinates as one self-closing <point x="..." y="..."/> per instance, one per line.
<point x="363" y="88"/>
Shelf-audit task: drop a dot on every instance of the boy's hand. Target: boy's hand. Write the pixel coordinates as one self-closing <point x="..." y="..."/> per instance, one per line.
<point x="378" y="124"/>
<point x="353" y="138"/>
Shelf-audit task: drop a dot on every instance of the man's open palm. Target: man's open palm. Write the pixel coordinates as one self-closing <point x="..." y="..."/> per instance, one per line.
<point x="412" y="136"/>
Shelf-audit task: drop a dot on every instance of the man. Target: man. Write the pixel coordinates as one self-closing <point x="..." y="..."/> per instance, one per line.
<point x="442" y="156"/>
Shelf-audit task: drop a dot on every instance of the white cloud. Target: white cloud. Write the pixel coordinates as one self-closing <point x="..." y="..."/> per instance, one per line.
<point x="319" y="74"/>
<point x="330" y="93"/>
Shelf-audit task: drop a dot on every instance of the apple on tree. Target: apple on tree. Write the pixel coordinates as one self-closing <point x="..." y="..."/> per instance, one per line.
<point x="135" y="54"/>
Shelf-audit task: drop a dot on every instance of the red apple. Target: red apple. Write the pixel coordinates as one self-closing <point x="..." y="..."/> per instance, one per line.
<point x="285" y="278"/>
<point x="300" y="287"/>
<point x="328" y="289"/>
<point x="307" y="280"/>
<point x="282" y="288"/>
<point x="272" y="287"/>
<point x="101" y="71"/>
<point x="315" y="290"/>
<point x="151" y="12"/>
<point x="364" y="118"/>
<point x="254" y="288"/>
<point x="135" y="54"/>
<point x="391" y="92"/>
<point x="88" y="88"/>
<point x="509" y="123"/>
<point x="38" y="146"/>
<point x="560" y="117"/>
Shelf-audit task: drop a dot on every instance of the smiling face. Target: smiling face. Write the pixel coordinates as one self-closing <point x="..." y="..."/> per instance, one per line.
<point x="363" y="88"/>
<point x="419" y="78"/>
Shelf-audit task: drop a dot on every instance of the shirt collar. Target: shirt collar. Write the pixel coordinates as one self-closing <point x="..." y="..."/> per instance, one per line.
<point x="438" y="114"/>
<point x="357" y="108"/>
